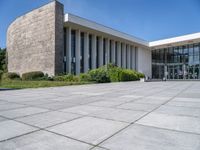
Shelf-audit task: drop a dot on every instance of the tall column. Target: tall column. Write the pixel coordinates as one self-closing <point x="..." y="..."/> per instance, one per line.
<point x="100" y="51"/>
<point x="78" y="40"/>
<point x="86" y="52"/>
<point x="68" y="50"/>
<point x="123" y="55"/>
<point x="113" y="52"/>
<point x="133" y="58"/>
<point x="94" y="51"/>
<point x="107" y="51"/>
<point x="128" y="57"/>
<point x="119" y="54"/>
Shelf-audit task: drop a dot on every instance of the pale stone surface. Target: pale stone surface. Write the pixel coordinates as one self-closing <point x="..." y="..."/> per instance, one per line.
<point x="176" y="110"/>
<point x="161" y="125"/>
<point x="42" y="140"/>
<point x="106" y="103"/>
<point x="173" y="122"/>
<point x="44" y="120"/>
<point x="185" y="104"/>
<point x="147" y="138"/>
<point x="21" y="112"/>
<point x="138" y="106"/>
<point x="35" y="41"/>
<point x="2" y="119"/>
<point x="10" y="129"/>
<point x="83" y="109"/>
<point x="88" y="129"/>
<point x="9" y="106"/>
<point x="57" y="105"/>
<point x="119" y="115"/>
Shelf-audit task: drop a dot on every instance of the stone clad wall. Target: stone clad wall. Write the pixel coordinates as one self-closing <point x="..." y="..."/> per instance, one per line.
<point x="35" y="41"/>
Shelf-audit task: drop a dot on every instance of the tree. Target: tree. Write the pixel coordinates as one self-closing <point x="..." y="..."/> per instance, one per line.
<point x="3" y="60"/>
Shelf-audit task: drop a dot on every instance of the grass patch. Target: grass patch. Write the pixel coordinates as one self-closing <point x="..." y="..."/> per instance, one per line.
<point x="18" y="84"/>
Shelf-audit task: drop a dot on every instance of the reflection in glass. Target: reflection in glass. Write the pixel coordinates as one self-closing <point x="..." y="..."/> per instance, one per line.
<point x="182" y="62"/>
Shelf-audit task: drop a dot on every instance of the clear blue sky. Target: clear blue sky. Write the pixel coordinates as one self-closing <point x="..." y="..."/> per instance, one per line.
<point x="146" y="19"/>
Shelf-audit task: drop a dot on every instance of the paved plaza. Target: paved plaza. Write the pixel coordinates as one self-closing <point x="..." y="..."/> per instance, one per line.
<point x="114" y="116"/>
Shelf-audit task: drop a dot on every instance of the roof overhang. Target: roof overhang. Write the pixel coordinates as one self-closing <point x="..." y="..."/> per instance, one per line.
<point x="176" y="41"/>
<point x="101" y="28"/>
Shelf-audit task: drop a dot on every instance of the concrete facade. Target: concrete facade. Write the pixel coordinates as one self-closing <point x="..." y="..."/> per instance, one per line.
<point x="47" y="40"/>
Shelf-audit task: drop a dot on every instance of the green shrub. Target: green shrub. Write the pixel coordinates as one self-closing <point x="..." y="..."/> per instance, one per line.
<point x="10" y="76"/>
<point x="1" y="73"/>
<point x="128" y="75"/>
<point x="85" y="77"/>
<point x="35" y="75"/>
<point x="67" y="78"/>
<point x="140" y="75"/>
<point x="114" y="73"/>
<point x="99" y="75"/>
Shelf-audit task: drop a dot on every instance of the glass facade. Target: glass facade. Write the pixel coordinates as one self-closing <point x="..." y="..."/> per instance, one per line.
<point x="181" y="62"/>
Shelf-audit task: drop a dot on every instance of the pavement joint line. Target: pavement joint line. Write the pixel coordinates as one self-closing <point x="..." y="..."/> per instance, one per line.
<point x="179" y="131"/>
<point x="69" y="137"/>
<point x="19" y="136"/>
<point x="142" y="116"/>
<point x="27" y="115"/>
<point x="38" y="128"/>
<point x="99" y="147"/>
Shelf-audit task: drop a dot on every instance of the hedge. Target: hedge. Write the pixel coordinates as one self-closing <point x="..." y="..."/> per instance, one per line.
<point x="10" y="76"/>
<point x="67" y="78"/>
<point x="35" y="75"/>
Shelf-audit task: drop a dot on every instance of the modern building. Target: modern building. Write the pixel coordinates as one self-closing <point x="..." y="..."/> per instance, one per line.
<point x="47" y="40"/>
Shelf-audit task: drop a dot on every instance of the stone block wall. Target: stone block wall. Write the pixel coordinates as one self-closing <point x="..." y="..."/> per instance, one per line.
<point x="35" y="41"/>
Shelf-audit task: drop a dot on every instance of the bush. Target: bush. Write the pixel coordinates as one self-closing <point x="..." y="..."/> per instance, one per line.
<point x="114" y="73"/>
<point x="1" y="73"/>
<point x="67" y="78"/>
<point x="140" y="75"/>
<point x="85" y="77"/>
<point x="128" y="75"/>
<point x="99" y="75"/>
<point x="35" y="75"/>
<point x="10" y="76"/>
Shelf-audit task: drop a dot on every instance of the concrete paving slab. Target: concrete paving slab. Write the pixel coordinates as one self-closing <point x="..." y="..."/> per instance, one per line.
<point x="147" y="138"/>
<point x="88" y="129"/>
<point x="182" y="111"/>
<point x="186" y="99"/>
<point x="83" y="109"/>
<point x="9" y="106"/>
<point x="106" y="103"/>
<point x="173" y="122"/>
<point x="98" y="148"/>
<point x="2" y="119"/>
<point x="36" y="102"/>
<point x="149" y="100"/>
<point x="10" y="129"/>
<point x="128" y="116"/>
<point x="42" y="140"/>
<point x="47" y="119"/>
<point x="138" y="106"/>
<point x="57" y="105"/>
<point x="184" y="104"/>
<point x="21" y="112"/>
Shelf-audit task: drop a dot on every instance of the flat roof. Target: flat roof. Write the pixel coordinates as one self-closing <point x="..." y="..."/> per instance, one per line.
<point x="185" y="39"/>
<point x="179" y="39"/>
<point x="99" y="27"/>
